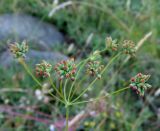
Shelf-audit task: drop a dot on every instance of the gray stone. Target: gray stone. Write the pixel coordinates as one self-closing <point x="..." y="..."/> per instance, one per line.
<point x="32" y="57"/>
<point x="17" y="27"/>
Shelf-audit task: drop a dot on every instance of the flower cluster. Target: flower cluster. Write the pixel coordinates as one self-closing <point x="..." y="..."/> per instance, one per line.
<point x="19" y="50"/>
<point x="112" y="44"/>
<point x="43" y="69"/>
<point x="129" y="47"/>
<point x="94" y="68"/>
<point x="66" y="69"/>
<point x="138" y="83"/>
<point x="96" y="55"/>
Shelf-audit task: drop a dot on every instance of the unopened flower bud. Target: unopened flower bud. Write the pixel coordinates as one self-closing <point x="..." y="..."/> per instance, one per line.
<point x="129" y="47"/>
<point x="19" y="50"/>
<point x="138" y="83"/>
<point x="111" y="44"/>
<point x="66" y="69"/>
<point x="43" y="69"/>
<point x="94" y="68"/>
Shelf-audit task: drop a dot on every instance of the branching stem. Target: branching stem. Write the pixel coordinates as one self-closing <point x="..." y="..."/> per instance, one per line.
<point x="96" y="99"/>
<point x="106" y="67"/>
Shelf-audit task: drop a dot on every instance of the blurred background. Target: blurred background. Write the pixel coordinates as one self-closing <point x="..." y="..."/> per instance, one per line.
<point x="58" y="29"/>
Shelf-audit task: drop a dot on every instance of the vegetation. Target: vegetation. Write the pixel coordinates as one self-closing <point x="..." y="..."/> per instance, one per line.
<point x="101" y="99"/>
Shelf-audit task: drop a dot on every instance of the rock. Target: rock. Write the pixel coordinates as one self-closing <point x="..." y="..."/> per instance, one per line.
<point x="33" y="57"/>
<point x="42" y="38"/>
<point x="17" y="27"/>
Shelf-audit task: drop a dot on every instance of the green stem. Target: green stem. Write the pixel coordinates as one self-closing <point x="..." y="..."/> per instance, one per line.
<point x="118" y="91"/>
<point x="79" y="82"/>
<point x="76" y="79"/>
<point x="54" y="87"/>
<point x="65" y="85"/>
<point x="56" y="97"/>
<point x="85" y="61"/>
<point x="81" y="62"/>
<point x="22" y="62"/>
<point x="113" y="93"/>
<point x="109" y="63"/>
<point x="61" y="89"/>
<point x="67" y="117"/>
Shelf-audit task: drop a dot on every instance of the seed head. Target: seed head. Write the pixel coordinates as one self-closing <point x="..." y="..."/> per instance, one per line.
<point x="43" y="69"/>
<point x="111" y="44"/>
<point x="94" y="68"/>
<point x="139" y="83"/>
<point x="95" y="55"/>
<point x="66" y="69"/>
<point x="129" y="47"/>
<point x="19" y="50"/>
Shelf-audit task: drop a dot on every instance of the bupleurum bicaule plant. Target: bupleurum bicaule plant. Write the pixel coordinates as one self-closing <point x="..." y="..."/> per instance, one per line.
<point x="69" y="70"/>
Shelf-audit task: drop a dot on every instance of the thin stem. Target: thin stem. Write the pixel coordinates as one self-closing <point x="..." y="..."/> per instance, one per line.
<point x="76" y="78"/>
<point x="22" y="62"/>
<point x="118" y="91"/>
<point x="79" y="82"/>
<point x="85" y="89"/>
<point x="70" y="96"/>
<point x="67" y="117"/>
<point x="65" y="85"/>
<point x="53" y="85"/>
<point x="79" y="73"/>
<point x="109" y="63"/>
<point x="61" y="90"/>
<point x="56" y="97"/>
<point x="81" y="62"/>
<point x="113" y="93"/>
<point x="103" y="50"/>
